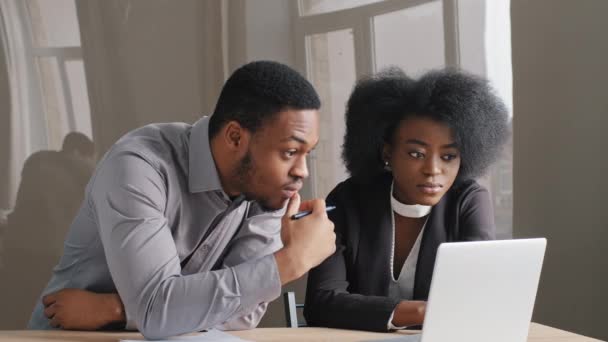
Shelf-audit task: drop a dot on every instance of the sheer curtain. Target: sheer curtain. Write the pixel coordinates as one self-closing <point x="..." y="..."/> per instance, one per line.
<point x="27" y="123"/>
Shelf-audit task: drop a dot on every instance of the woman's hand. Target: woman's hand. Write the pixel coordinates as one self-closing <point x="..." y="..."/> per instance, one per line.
<point x="408" y="313"/>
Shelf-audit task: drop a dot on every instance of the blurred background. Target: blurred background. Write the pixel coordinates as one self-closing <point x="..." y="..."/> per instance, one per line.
<point x="75" y="75"/>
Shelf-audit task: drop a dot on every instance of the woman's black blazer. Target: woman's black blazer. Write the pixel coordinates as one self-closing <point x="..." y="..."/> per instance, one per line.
<point x="349" y="289"/>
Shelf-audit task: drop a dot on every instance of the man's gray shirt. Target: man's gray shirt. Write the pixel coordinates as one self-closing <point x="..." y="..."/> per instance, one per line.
<point x="156" y="226"/>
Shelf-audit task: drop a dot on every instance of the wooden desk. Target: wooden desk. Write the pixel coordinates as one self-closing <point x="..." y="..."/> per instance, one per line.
<point x="538" y="333"/>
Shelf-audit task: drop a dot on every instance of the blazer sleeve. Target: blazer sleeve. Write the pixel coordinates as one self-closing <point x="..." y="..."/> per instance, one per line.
<point x="477" y="216"/>
<point x="328" y="300"/>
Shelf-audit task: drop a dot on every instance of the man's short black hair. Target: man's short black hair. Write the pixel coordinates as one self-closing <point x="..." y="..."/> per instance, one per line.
<point x="257" y="91"/>
<point x="478" y="119"/>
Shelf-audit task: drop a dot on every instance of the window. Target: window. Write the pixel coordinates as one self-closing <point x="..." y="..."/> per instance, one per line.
<point x="49" y="96"/>
<point x="309" y="7"/>
<point x="338" y="41"/>
<point x="56" y="54"/>
<point x="411" y="38"/>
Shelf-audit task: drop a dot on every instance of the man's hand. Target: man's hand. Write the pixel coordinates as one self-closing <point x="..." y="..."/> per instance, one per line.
<point x="307" y="241"/>
<point x="408" y="313"/>
<point x="76" y="309"/>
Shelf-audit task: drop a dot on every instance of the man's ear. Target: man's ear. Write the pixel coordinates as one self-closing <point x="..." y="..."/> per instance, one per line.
<point x="236" y="136"/>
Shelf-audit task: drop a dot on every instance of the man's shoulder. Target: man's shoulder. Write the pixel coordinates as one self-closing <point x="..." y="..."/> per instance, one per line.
<point x="154" y="142"/>
<point x="157" y="134"/>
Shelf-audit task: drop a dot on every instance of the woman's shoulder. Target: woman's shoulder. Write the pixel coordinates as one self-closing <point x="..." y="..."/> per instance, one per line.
<point x="467" y="193"/>
<point x="466" y="187"/>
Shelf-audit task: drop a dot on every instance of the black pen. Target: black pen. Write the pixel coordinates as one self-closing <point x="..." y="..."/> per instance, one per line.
<point x="308" y="212"/>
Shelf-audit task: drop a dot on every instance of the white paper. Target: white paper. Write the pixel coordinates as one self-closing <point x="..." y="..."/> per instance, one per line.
<point x="211" y="335"/>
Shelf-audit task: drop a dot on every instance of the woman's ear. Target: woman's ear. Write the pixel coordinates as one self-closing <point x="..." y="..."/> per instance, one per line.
<point x="386" y="153"/>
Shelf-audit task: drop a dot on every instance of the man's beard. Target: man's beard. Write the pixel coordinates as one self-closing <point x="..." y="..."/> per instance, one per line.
<point x="245" y="175"/>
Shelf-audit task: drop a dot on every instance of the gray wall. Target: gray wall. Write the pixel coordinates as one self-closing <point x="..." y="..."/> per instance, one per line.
<point x="145" y="62"/>
<point x="560" y="54"/>
<point x="268" y="35"/>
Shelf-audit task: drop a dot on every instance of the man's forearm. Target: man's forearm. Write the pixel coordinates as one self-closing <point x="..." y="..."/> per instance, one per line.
<point x="168" y="309"/>
<point x="247" y="319"/>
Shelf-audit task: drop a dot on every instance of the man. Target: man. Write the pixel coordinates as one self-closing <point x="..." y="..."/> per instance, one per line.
<point x="50" y="193"/>
<point x="187" y="223"/>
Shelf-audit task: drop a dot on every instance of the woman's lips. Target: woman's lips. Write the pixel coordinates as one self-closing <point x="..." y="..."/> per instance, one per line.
<point x="430" y="188"/>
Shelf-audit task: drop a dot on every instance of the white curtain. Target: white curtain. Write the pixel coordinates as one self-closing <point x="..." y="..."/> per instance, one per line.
<point x="27" y="121"/>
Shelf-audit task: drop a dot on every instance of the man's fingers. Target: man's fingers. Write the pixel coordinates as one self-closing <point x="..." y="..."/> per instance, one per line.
<point x="306" y="206"/>
<point x="49" y="299"/>
<point x="315" y="205"/>
<point x="50" y="310"/>
<point x="318" y="206"/>
<point x="293" y="205"/>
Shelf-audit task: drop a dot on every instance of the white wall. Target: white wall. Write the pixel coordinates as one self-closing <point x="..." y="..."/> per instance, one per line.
<point x="560" y="49"/>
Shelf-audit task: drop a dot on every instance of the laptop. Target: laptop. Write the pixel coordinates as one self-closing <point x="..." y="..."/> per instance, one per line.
<point x="482" y="291"/>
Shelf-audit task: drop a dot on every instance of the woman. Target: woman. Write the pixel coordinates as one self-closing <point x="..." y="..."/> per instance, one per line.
<point x="413" y="149"/>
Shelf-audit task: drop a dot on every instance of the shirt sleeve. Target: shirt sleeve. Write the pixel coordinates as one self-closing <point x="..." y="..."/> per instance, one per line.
<point x="129" y="197"/>
<point x="249" y="320"/>
<point x="260" y="236"/>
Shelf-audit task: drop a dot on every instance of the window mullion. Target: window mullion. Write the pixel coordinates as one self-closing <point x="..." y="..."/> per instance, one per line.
<point x="67" y="94"/>
<point x="451" y="33"/>
<point x="364" y="50"/>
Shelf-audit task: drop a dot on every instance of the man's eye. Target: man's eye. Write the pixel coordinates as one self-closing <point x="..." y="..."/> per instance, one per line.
<point x="416" y="154"/>
<point x="290" y="153"/>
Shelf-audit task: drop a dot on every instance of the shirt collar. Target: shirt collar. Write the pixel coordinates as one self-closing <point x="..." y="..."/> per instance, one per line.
<point x="203" y="175"/>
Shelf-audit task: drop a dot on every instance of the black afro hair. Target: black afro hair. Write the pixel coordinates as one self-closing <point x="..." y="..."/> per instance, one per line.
<point x="466" y="103"/>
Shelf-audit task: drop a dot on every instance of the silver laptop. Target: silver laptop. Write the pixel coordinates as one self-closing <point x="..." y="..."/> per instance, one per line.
<point x="482" y="291"/>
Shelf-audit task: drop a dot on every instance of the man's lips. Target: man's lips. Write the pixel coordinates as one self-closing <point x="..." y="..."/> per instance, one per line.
<point x="291" y="190"/>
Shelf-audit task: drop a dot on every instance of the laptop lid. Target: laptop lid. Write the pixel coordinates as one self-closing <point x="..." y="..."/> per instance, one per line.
<point x="483" y="291"/>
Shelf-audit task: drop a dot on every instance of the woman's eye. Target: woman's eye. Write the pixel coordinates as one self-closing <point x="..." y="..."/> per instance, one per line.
<point x="449" y="157"/>
<point x="290" y="153"/>
<point x="416" y="154"/>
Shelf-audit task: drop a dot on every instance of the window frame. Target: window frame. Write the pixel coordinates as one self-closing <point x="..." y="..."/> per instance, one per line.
<point x="361" y="21"/>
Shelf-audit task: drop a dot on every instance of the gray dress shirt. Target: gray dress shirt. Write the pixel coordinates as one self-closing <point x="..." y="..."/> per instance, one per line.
<point x="156" y="226"/>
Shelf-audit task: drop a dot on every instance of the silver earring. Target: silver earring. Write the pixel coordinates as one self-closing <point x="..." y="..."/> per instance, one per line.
<point x="387" y="167"/>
